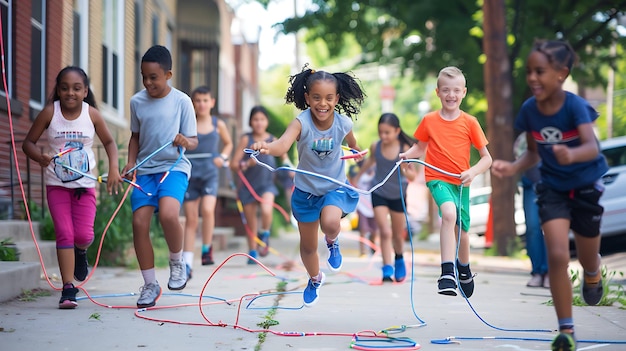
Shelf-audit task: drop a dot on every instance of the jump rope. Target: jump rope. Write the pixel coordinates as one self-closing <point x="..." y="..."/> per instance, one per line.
<point x="364" y="340"/>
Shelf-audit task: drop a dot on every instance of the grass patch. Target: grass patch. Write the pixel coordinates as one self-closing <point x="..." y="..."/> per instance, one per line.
<point x="613" y="292"/>
<point x="32" y="295"/>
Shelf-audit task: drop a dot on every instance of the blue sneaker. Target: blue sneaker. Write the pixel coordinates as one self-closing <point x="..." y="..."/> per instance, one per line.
<point x="252" y="254"/>
<point x="189" y="271"/>
<point x="264" y="249"/>
<point x="334" y="256"/>
<point x="400" y="269"/>
<point x="311" y="292"/>
<point x="387" y="273"/>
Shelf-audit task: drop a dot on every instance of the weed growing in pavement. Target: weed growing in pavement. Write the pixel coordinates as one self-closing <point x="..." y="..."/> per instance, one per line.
<point x="32" y="295"/>
<point x="613" y="292"/>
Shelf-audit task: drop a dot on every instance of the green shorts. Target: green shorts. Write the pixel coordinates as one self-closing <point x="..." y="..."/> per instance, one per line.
<point x="445" y="192"/>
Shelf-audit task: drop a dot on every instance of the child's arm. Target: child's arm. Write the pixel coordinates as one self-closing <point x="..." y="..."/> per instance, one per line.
<point x="236" y="163"/>
<point x="133" y="151"/>
<point x="189" y="143"/>
<point x="416" y="151"/>
<point x="586" y="151"/>
<point x="227" y="144"/>
<point x="529" y="158"/>
<point x="113" y="179"/>
<point x="29" y="146"/>
<point x="282" y="144"/>
<point x="481" y="166"/>
<point x="408" y="170"/>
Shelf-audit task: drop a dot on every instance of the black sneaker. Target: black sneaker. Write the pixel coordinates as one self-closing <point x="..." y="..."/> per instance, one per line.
<point x="80" y="264"/>
<point x="207" y="257"/>
<point x="592" y="293"/>
<point x="447" y="285"/>
<point x="466" y="281"/>
<point x="68" y="297"/>
<point x="564" y="342"/>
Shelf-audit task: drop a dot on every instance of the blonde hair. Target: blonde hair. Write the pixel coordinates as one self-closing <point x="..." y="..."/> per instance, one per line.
<point x="451" y="72"/>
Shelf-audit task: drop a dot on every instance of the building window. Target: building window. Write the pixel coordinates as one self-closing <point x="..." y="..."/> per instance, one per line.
<point x="7" y="42"/>
<point x="38" y="50"/>
<point x="138" y="46"/>
<point x="80" y="56"/>
<point x="112" y="50"/>
<point x="155" y="30"/>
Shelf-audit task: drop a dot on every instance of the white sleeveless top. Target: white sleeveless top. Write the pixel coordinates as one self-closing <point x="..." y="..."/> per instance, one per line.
<point x="62" y="134"/>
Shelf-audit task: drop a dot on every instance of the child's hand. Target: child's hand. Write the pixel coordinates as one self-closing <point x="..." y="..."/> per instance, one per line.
<point x="466" y="177"/>
<point x="45" y="160"/>
<point x="219" y="162"/>
<point x="114" y="181"/>
<point x="181" y="140"/>
<point x="501" y="168"/>
<point x="125" y="170"/>
<point x="562" y="154"/>
<point x="260" y="146"/>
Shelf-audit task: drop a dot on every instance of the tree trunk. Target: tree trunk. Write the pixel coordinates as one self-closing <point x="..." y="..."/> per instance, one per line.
<point x="499" y="89"/>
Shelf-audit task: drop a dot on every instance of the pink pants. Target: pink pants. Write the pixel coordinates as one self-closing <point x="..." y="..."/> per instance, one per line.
<point x="73" y="213"/>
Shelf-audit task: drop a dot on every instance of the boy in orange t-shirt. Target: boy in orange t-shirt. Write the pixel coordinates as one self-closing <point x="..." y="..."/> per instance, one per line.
<point x="449" y="133"/>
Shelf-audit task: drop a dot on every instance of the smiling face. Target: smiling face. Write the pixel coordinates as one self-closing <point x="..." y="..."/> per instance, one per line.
<point x="155" y="79"/>
<point x="72" y="90"/>
<point x="543" y="79"/>
<point x="259" y="122"/>
<point x="322" y="97"/>
<point x="451" y="91"/>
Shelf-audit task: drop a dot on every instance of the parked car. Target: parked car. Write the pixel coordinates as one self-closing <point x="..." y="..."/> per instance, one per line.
<point x="614" y="197"/>
<point x="479" y="211"/>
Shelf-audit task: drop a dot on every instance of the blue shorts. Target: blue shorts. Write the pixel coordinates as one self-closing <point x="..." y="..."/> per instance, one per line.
<point x="199" y="187"/>
<point x="174" y="185"/>
<point x="307" y="207"/>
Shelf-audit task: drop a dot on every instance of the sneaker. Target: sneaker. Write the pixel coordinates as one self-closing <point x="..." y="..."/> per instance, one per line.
<point x="189" y="271"/>
<point x="592" y="293"/>
<point x="447" y="285"/>
<point x="466" y="281"/>
<point x="387" y="272"/>
<point x="178" y="275"/>
<point x="207" y="257"/>
<point x="564" y="342"/>
<point x="335" y="260"/>
<point x="254" y="255"/>
<point x="536" y="281"/>
<point x="400" y="269"/>
<point x="68" y="297"/>
<point x="80" y="264"/>
<point x="311" y="292"/>
<point x="150" y="293"/>
<point x="264" y="249"/>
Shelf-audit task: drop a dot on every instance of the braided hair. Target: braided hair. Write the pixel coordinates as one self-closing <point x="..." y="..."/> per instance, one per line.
<point x="351" y="95"/>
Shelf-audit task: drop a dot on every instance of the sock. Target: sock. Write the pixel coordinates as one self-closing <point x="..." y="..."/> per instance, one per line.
<point x="399" y="257"/>
<point x="463" y="267"/>
<point x="317" y="278"/>
<point x="264" y="232"/>
<point x="447" y="268"/>
<point x="592" y="277"/>
<point x="176" y="256"/>
<point x="188" y="258"/>
<point x="328" y="241"/>
<point x="566" y="324"/>
<point x="205" y="248"/>
<point x="68" y="286"/>
<point x="149" y="276"/>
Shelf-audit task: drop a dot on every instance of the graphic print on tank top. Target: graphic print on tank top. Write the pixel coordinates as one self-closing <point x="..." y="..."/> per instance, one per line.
<point x="77" y="159"/>
<point x="323" y="147"/>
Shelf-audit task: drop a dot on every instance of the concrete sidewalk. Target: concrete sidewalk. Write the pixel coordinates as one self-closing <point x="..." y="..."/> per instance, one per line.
<point x="351" y="302"/>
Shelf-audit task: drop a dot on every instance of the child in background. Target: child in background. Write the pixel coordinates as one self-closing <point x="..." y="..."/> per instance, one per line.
<point x="260" y="179"/>
<point x="386" y="200"/>
<point x="559" y="132"/>
<point x="206" y="160"/>
<point x="445" y="137"/>
<point x="368" y="229"/>
<point x="70" y="120"/>
<point x="159" y="114"/>
<point x="319" y="131"/>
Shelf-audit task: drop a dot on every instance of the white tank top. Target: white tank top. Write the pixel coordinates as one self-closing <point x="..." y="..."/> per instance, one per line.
<point x="63" y="134"/>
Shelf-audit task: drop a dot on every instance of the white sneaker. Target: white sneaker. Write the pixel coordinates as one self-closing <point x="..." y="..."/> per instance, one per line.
<point x="150" y="293"/>
<point x="178" y="275"/>
<point x="536" y="281"/>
